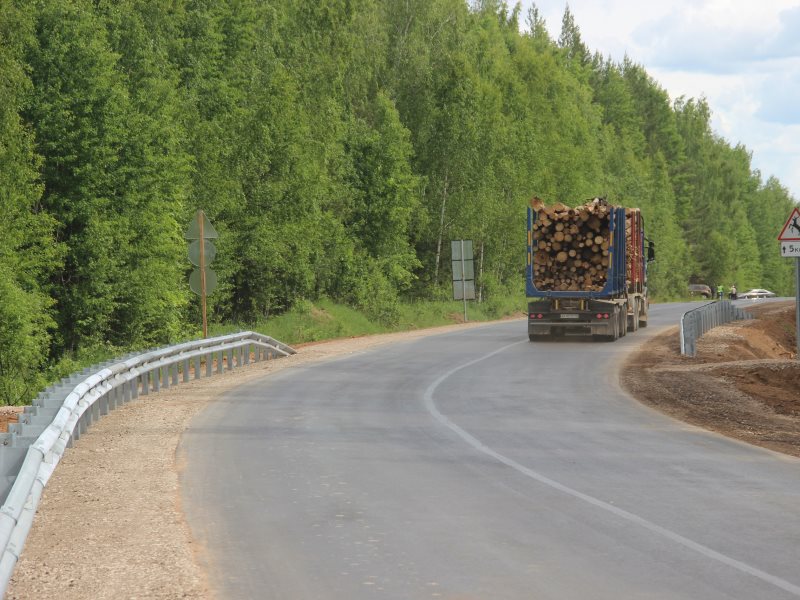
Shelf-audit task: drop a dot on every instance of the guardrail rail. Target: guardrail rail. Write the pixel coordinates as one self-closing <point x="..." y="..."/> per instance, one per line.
<point x="695" y="322"/>
<point x="32" y="448"/>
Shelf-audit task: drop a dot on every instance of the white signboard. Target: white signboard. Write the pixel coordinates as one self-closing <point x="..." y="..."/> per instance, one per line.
<point x="790" y="249"/>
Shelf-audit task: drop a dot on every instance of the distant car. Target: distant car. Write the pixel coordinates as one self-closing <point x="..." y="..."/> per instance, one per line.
<point x="699" y="289"/>
<point x="758" y="293"/>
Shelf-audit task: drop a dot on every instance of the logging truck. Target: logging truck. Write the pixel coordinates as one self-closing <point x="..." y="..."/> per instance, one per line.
<point x="587" y="270"/>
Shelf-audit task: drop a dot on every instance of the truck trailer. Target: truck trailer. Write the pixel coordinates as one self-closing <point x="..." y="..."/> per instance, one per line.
<point x="587" y="270"/>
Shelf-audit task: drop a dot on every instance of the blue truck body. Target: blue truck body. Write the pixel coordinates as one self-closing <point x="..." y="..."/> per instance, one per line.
<point x="620" y="306"/>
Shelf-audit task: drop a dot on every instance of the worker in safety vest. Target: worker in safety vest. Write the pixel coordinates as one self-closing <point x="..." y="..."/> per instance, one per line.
<point x="720" y="292"/>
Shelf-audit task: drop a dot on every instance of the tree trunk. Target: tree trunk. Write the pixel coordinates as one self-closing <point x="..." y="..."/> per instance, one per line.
<point x="441" y="232"/>
<point x="480" y="275"/>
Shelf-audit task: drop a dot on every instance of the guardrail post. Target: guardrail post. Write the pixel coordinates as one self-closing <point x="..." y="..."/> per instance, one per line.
<point x="96" y="392"/>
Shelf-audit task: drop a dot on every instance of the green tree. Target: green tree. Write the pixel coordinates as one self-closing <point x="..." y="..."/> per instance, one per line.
<point x="767" y="210"/>
<point x="154" y="170"/>
<point x="28" y="254"/>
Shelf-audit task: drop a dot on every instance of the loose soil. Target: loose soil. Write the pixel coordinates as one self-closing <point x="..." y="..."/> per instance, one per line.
<point x="9" y="414"/>
<point x="744" y="382"/>
<point x="110" y="524"/>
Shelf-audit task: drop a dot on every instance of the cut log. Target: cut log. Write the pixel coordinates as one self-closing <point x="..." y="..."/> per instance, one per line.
<point x="572" y="245"/>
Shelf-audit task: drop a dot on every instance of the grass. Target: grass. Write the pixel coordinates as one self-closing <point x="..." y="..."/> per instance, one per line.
<point x="307" y="322"/>
<point x="325" y="320"/>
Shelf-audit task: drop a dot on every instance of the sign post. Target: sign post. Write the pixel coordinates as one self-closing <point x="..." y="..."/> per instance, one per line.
<point x="789" y="238"/>
<point x="202" y="281"/>
<point x="463" y="272"/>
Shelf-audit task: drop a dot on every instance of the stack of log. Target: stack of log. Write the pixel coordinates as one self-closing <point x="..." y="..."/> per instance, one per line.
<point x="571" y="246"/>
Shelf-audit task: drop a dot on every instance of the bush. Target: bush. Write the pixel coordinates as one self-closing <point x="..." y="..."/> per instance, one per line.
<point x="24" y="338"/>
<point x="372" y="292"/>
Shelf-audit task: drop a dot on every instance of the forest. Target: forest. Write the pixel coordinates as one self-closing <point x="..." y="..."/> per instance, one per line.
<point x="337" y="146"/>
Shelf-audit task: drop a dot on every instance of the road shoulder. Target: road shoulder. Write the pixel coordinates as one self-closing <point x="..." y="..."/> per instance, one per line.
<point x="744" y="382"/>
<point x="110" y="523"/>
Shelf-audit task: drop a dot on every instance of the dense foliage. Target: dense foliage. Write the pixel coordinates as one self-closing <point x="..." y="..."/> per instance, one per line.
<point x="337" y="146"/>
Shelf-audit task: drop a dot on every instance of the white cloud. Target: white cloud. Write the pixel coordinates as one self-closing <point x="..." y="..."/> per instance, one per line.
<point x="742" y="56"/>
<point x="718" y="37"/>
<point x="780" y="100"/>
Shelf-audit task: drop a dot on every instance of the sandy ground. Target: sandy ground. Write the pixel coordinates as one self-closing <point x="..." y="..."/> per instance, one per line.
<point x="110" y="524"/>
<point x="743" y="383"/>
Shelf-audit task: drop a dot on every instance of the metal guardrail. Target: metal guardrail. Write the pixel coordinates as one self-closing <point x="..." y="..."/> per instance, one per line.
<point x="63" y="412"/>
<point x="695" y="322"/>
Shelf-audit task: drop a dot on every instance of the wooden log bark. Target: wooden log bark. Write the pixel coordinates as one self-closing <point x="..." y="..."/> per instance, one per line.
<point x="572" y="245"/>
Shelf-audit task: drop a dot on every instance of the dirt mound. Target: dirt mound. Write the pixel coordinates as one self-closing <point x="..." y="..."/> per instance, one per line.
<point x="743" y="383"/>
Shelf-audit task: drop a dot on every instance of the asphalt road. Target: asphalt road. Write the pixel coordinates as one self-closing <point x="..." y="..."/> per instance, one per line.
<point x="479" y="465"/>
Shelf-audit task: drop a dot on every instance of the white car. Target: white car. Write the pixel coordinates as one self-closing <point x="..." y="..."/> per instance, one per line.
<point x="757" y="293"/>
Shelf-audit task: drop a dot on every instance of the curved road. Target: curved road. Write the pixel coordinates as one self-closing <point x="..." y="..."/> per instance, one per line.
<point x="478" y="465"/>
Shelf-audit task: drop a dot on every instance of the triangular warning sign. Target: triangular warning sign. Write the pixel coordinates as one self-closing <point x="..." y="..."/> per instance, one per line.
<point x="194" y="227"/>
<point x="791" y="229"/>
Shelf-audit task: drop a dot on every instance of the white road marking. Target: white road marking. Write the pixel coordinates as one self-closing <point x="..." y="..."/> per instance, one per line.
<point x="624" y="514"/>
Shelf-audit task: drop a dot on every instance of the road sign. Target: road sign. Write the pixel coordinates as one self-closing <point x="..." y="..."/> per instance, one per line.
<point x="461" y="249"/>
<point x="789" y="238"/>
<point x="196" y="281"/>
<point x="208" y="249"/>
<point x="791" y="229"/>
<point x="790" y="249"/>
<point x="201" y="228"/>
<point x="463" y="272"/>
<point x="463" y="290"/>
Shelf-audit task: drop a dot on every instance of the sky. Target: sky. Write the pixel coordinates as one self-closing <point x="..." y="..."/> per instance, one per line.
<point x="743" y="56"/>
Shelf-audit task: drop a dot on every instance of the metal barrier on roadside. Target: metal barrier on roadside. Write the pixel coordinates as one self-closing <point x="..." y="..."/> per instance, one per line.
<point x="33" y="447"/>
<point x="695" y="322"/>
